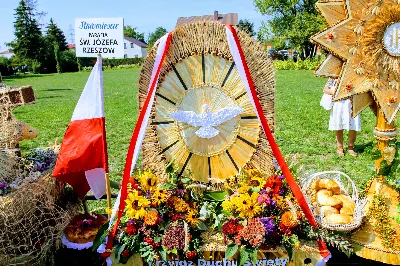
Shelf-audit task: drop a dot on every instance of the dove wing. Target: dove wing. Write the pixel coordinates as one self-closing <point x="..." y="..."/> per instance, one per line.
<point x="188" y="117"/>
<point x="225" y="114"/>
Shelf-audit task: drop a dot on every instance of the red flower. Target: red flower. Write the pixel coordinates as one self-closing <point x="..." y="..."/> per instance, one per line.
<point x="149" y="240"/>
<point x="131" y="230"/>
<point x="176" y="217"/>
<point x="284" y="229"/>
<point x="191" y="255"/>
<point x="274" y="183"/>
<point x="156" y="244"/>
<point x="126" y="253"/>
<point x="231" y="227"/>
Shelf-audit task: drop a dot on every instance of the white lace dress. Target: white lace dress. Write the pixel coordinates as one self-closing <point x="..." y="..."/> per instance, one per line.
<point x="340" y="117"/>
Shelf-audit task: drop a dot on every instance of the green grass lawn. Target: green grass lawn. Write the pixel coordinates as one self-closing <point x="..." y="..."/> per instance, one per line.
<point x="301" y="124"/>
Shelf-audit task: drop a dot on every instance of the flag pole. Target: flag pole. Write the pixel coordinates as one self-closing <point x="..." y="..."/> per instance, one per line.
<point x="107" y="175"/>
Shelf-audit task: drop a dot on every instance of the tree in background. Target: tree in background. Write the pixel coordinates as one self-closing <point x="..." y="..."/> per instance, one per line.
<point x="132" y="32"/>
<point x="28" y="44"/>
<point x="55" y="35"/>
<point x="55" y="44"/>
<point x="293" y="23"/>
<point x="154" y="36"/>
<point x="247" y="27"/>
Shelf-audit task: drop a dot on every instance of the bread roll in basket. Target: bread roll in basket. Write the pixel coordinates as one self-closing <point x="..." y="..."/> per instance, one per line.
<point x="333" y="199"/>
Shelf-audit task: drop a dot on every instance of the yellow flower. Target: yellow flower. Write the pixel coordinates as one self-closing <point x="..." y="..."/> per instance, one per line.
<point x="244" y="188"/>
<point x="148" y="181"/>
<point x="135" y="205"/>
<point x="243" y="201"/>
<point x="248" y="206"/>
<point x="257" y="182"/>
<point x="159" y="196"/>
<point x="228" y="205"/>
<point x="254" y="173"/>
<point x="191" y="218"/>
<point x="180" y="205"/>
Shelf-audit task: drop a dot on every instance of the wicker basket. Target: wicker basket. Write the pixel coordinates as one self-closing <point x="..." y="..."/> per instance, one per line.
<point x="347" y="187"/>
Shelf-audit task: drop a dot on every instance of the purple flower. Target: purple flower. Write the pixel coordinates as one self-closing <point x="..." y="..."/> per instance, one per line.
<point x="132" y="222"/>
<point x="180" y="192"/>
<point x="281" y="191"/>
<point x="3" y="185"/>
<point x="269" y="225"/>
<point x="281" y="177"/>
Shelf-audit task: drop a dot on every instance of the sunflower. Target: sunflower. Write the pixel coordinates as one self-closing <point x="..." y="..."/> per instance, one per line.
<point x="242" y="202"/>
<point x="135" y="205"/>
<point x="257" y="182"/>
<point x="191" y="218"/>
<point x="159" y="196"/>
<point x="228" y="205"/>
<point x="243" y="188"/>
<point x="248" y="206"/>
<point x="148" y="181"/>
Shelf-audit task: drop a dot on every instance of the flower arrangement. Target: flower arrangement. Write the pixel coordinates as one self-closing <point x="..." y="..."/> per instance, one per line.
<point x="160" y="219"/>
<point x="253" y="213"/>
<point x="33" y="165"/>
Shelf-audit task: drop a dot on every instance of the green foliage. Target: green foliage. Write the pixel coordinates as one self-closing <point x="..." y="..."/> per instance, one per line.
<point x="293" y="22"/>
<point x="231" y="250"/>
<point x="57" y="56"/>
<point x="28" y="43"/>
<point x="130" y="31"/>
<point x="243" y="256"/>
<point x="69" y="61"/>
<point x="55" y="35"/>
<point x="5" y="66"/>
<point x="307" y="64"/>
<point x="154" y="36"/>
<point x="246" y="26"/>
<point x="33" y="66"/>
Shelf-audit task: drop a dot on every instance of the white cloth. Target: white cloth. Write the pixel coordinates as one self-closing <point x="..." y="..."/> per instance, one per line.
<point x="340" y="117"/>
<point x="73" y="245"/>
<point x="326" y="101"/>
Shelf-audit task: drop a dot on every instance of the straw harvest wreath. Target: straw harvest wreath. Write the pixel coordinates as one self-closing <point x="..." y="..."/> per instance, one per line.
<point x="202" y="118"/>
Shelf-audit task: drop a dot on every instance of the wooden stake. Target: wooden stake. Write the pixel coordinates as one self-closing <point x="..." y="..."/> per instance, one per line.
<point x="108" y="187"/>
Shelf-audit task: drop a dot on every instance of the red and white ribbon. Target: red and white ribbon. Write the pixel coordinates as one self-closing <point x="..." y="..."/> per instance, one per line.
<point x="244" y="72"/>
<point x="137" y="140"/>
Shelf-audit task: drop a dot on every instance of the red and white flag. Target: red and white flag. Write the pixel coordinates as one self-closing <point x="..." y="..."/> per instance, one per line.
<point x="82" y="161"/>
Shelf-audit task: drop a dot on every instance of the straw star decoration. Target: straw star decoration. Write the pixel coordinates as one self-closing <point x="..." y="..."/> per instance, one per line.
<point x="363" y="38"/>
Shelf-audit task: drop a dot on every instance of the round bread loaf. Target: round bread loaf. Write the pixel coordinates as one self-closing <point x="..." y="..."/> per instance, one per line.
<point x="328" y="210"/>
<point x="83" y="227"/>
<point x="348" y="202"/>
<point x="324" y="198"/>
<point x="329" y="184"/>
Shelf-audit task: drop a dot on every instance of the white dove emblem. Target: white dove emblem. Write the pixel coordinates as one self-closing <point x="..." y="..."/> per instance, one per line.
<point x="207" y="120"/>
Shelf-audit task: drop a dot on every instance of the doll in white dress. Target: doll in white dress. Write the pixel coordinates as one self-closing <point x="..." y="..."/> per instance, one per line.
<point x="340" y="120"/>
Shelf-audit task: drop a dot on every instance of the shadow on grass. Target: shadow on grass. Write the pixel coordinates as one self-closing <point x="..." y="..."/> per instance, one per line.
<point x="360" y="148"/>
<point x="57" y="90"/>
<point x="50" y="97"/>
